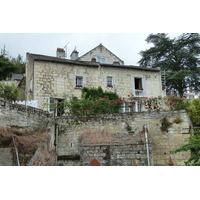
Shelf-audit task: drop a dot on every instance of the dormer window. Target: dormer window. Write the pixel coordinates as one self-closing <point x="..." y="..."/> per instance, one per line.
<point x="102" y="60"/>
<point x="116" y="63"/>
<point x="93" y="59"/>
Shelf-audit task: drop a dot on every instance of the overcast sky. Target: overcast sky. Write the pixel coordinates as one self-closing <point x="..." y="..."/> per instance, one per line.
<point x="125" y="46"/>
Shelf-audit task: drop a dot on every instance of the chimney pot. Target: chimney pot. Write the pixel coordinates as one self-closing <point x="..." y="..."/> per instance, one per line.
<point x="60" y="53"/>
<point x="74" y="55"/>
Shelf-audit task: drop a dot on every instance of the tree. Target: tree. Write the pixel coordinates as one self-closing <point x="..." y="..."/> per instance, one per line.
<point x="19" y="64"/>
<point x="10" y="92"/>
<point x="6" y="67"/>
<point x="10" y="65"/>
<point x="179" y="57"/>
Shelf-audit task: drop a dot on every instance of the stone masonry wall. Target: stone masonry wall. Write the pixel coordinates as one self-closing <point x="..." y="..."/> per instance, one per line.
<point x="21" y="116"/>
<point x="59" y="79"/>
<point x="168" y="131"/>
<point x="115" y="155"/>
<point x="24" y="117"/>
<point x="6" y="157"/>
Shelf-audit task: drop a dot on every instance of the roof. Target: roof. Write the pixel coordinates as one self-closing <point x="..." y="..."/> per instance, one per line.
<point x="17" y="76"/>
<point x="60" y="60"/>
<point x="100" y="45"/>
<point x="38" y="57"/>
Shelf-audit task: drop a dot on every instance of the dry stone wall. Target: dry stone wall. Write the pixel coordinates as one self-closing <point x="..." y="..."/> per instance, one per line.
<point x="168" y="131"/>
<point x="115" y="155"/>
<point x="6" y="157"/>
<point x="21" y="116"/>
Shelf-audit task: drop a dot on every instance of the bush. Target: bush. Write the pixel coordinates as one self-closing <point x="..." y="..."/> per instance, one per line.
<point x="193" y="109"/>
<point x="95" y="93"/>
<point x="193" y="145"/>
<point x="95" y="101"/>
<point x="10" y="92"/>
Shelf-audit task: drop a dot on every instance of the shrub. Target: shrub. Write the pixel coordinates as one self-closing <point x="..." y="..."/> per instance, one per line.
<point x="94" y="101"/>
<point x="193" y="109"/>
<point x="10" y="92"/>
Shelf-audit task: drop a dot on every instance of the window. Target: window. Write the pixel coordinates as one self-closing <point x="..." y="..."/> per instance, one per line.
<point x="79" y="82"/>
<point x="51" y="104"/>
<point x="109" y="81"/>
<point x="101" y="60"/>
<point x="56" y="106"/>
<point x="131" y="107"/>
<point x="138" y="86"/>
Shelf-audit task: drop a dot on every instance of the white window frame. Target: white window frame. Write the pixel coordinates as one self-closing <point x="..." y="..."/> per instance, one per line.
<point x="109" y="83"/>
<point x="77" y="83"/>
<point x="102" y="60"/>
<point x="138" y="93"/>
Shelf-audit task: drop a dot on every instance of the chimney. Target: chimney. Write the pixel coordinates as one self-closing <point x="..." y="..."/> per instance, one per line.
<point x="74" y="54"/>
<point x="60" y="53"/>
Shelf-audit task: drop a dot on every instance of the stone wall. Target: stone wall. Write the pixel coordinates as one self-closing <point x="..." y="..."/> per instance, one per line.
<point x="25" y="118"/>
<point x="21" y="116"/>
<point x="54" y="79"/>
<point x="168" y="131"/>
<point x="6" y="157"/>
<point x="115" y="155"/>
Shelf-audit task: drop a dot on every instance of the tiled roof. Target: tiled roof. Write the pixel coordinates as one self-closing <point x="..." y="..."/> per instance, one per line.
<point x="86" y="63"/>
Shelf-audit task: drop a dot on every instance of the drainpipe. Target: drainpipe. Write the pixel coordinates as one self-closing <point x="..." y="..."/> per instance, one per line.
<point x="147" y="145"/>
<point x="16" y="151"/>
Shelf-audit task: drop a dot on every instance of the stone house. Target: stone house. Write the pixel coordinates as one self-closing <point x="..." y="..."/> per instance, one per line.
<point x="49" y="79"/>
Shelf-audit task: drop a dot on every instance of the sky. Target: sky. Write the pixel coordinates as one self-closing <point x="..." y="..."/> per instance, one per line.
<point x="124" y="45"/>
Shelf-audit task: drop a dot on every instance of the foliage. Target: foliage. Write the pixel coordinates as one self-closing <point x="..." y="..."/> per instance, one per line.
<point x="19" y="64"/>
<point x="6" y="67"/>
<point x="90" y="106"/>
<point x="10" y="92"/>
<point x="193" y="109"/>
<point x="95" y="93"/>
<point x="170" y="102"/>
<point x="193" y="145"/>
<point x="10" y="65"/>
<point x="179" y="57"/>
<point x="94" y="101"/>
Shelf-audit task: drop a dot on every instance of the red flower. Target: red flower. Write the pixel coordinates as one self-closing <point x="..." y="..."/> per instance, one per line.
<point x="120" y="98"/>
<point x="130" y="106"/>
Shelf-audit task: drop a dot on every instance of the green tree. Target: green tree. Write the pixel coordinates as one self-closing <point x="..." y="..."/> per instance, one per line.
<point x="179" y="57"/>
<point x="10" y="65"/>
<point x="19" y="64"/>
<point x="10" y="92"/>
<point x="6" y="67"/>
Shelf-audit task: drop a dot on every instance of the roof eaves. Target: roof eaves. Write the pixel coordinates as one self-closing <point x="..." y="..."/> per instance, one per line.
<point x="131" y="67"/>
<point x="60" y="60"/>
